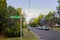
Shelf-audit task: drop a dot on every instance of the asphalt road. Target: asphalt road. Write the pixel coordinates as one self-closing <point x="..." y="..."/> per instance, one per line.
<point x="47" y="34"/>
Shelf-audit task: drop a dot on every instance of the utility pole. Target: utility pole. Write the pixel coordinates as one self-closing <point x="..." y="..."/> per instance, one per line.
<point x="29" y="3"/>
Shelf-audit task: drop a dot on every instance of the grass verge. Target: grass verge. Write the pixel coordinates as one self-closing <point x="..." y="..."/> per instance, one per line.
<point x="28" y="35"/>
<point x="58" y="29"/>
<point x="17" y="38"/>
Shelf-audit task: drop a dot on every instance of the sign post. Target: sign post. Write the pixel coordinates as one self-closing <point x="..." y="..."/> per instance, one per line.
<point x="14" y="17"/>
<point x="21" y="27"/>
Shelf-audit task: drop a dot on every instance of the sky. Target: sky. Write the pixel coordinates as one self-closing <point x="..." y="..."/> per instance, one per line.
<point x="35" y="8"/>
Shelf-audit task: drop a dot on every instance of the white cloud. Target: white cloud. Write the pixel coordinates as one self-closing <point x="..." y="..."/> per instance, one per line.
<point x="32" y="13"/>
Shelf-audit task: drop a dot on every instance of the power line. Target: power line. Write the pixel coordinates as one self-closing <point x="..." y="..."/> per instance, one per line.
<point x="29" y="3"/>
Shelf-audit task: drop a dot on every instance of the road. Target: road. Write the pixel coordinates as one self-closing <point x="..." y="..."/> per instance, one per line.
<point x="47" y="34"/>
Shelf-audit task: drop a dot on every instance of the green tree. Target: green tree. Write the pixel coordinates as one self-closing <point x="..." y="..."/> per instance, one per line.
<point x="50" y="16"/>
<point x="13" y="25"/>
<point x="39" y="18"/>
<point x="58" y="8"/>
<point x="50" y="19"/>
<point x="3" y="14"/>
<point x="19" y="10"/>
<point x="35" y="22"/>
<point x="22" y="15"/>
<point x="58" y="11"/>
<point x="31" y="22"/>
<point x="13" y="12"/>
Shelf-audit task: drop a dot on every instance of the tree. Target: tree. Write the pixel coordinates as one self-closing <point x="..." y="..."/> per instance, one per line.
<point x="19" y="10"/>
<point x="50" y="16"/>
<point x="58" y="8"/>
<point x="13" y="12"/>
<point x="31" y="22"/>
<point x="3" y="14"/>
<point x="3" y="6"/>
<point x="58" y="1"/>
<point x="35" y="22"/>
<point x="13" y="25"/>
<point x="22" y="15"/>
<point x="50" y="19"/>
<point x="39" y="18"/>
<point x="58" y="11"/>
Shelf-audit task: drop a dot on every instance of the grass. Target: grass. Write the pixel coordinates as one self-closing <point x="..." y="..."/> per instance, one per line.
<point x="58" y="29"/>
<point x="27" y="35"/>
<point x="17" y="38"/>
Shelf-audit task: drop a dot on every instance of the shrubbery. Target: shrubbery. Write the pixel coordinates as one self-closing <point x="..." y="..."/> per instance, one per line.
<point x="12" y="32"/>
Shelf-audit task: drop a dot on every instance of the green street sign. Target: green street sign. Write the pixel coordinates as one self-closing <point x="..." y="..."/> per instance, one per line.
<point x="14" y="16"/>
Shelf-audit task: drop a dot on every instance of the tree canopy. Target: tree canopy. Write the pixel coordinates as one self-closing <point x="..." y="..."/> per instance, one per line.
<point x="3" y="13"/>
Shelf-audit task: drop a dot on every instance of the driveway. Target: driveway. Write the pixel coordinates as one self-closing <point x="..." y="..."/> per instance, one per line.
<point x="47" y="34"/>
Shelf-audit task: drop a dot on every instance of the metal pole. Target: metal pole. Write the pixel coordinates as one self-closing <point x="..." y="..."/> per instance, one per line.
<point x="20" y="28"/>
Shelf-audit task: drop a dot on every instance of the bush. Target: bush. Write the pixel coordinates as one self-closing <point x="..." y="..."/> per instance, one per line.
<point x="12" y="32"/>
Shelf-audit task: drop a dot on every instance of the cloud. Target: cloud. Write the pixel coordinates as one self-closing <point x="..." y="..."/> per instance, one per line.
<point x="33" y="13"/>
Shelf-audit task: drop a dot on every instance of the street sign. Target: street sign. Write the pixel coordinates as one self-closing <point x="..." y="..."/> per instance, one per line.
<point x="14" y="16"/>
<point x="20" y="24"/>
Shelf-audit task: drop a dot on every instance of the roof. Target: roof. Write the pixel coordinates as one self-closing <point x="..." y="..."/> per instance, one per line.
<point x="56" y="25"/>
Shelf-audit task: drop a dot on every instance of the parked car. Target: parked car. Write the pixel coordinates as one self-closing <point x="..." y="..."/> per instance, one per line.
<point x="39" y="28"/>
<point x="29" y="28"/>
<point x="45" y="28"/>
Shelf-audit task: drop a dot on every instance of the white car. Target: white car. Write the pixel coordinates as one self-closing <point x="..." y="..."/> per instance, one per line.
<point x="46" y="28"/>
<point x="39" y="28"/>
